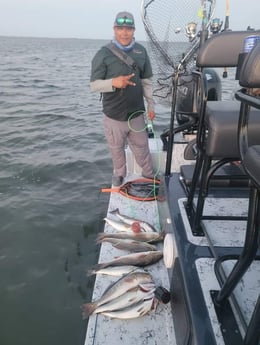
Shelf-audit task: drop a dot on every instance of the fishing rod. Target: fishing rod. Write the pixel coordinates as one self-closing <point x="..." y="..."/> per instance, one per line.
<point x="226" y="27"/>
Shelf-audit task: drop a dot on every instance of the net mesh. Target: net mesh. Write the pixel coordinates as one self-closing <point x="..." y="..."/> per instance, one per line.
<point x="173" y="28"/>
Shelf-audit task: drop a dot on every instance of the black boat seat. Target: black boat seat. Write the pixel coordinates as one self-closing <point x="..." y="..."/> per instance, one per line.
<point x="217" y="142"/>
<point x="252" y="162"/>
<point x="222" y="50"/>
<point x="250" y="157"/>
<point x="222" y="123"/>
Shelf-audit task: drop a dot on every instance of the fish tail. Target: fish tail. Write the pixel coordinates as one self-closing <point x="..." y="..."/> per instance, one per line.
<point x="97" y="267"/>
<point x="100" y="237"/>
<point x="91" y="272"/>
<point x="87" y="309"/>
<point x="116" y="211"/>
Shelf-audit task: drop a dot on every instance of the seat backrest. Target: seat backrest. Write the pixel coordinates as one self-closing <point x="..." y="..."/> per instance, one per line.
<point x="250" y="80"/>
<point x="250" y="70"/>
<point x="223" y="49"/>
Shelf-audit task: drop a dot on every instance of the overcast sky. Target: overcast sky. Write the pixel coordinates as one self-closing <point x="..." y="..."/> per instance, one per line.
<point x="94" y="18"/>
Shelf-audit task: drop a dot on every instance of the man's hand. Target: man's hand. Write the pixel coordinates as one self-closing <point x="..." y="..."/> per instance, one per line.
<point x="123" y="81"/>
<point x="151" y="115"/>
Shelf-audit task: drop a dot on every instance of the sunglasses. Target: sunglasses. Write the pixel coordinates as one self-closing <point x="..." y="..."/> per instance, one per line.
<point x="127" y="21"/>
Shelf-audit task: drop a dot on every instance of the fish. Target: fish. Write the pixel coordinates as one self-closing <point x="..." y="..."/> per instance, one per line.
<point x="136" y="259"/>
<point x="117" y="289"/>
<point x="136" y="310"/>
<point x="128" y="244"/>
<point x="146" y="227"/>
<point x="150" y="237"/>
<point x="113" y="271"/>
<point x="129" y="298"/>
<point x="119" y="226"/>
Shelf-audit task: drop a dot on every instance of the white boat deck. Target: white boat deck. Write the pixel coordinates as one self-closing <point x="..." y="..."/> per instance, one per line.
<point x="156" y="327"/>
<point x="225" y="234"/>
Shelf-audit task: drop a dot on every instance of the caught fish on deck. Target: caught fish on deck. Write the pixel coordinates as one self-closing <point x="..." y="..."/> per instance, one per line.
<point x="114" y="271"/>
<point x="146" y="227"/>
<point x="129" y="245"/>
<point x="136" y="310"/>
<point x="117" y="289"/>
<point x="126" y="300"/>
<point x="136" y="259"/>
<point x="150" y="237"/>
<point x="119" y="226"/>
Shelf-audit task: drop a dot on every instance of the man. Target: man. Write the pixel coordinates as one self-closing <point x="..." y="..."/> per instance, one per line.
<point x="123" y="87"/>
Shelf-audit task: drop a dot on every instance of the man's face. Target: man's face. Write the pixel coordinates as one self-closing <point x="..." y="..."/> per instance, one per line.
<point x="124" y="34"/>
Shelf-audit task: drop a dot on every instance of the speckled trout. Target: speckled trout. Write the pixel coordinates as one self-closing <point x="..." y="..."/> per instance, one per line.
<point x="128" y="220"/>
<point x="151" y="237"/>
<point x="121" y="286"/>
<point x="117" y="271"/>
<point x="135" y="259"/>
<point x="133" y="311"/>
<point x="129" y="298"/>
<point x="129" y="245"/>
<point x="119" y="226"/>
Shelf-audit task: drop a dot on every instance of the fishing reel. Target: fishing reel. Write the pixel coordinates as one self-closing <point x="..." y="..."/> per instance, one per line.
<point x="191" y="30"/>
<point x="215" y="26"/>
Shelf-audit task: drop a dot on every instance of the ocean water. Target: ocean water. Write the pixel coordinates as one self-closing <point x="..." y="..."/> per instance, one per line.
<point x="53" y="163"/>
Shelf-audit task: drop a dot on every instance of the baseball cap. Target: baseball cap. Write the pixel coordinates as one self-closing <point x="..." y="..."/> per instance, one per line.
<point x="125" y="19"/>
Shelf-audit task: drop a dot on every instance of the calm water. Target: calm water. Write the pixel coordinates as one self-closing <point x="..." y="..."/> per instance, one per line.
<point x="53" y="162"/>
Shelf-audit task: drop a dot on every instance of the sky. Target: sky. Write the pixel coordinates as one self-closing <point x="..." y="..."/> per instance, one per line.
<point x="94" y="18"/>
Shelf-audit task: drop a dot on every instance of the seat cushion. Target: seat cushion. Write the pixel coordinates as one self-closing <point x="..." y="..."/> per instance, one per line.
<point x="251" y="163"/>
<point x="222" y="122"/>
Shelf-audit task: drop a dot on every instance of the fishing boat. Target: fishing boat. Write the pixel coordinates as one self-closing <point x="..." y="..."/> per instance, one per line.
<point x="207" y="204"/>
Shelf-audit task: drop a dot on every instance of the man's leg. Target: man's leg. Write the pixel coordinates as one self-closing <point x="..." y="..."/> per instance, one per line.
<point x="138" y="142"/>
<point x="116" y="132"/>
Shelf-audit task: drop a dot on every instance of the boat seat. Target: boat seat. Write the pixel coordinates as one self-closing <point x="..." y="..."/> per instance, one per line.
<point x="218" y="122"/>
<point x="250" y="158"/>
<point x="222" y="123"/>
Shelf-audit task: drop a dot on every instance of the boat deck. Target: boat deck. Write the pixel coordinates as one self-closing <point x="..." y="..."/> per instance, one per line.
<point x="156" y="327"/>
<point x="153" y="328"/>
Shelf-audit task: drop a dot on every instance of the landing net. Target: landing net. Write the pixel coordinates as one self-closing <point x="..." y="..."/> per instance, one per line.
<point x="174" y="28"/>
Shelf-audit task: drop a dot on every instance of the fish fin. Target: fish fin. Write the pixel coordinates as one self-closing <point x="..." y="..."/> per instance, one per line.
<point x="147" y="287"/>
<point x="143" y="310"/>
<point x="155" y="304"/>
<point x="116" y="245"/>
<point x="87" y="309"/>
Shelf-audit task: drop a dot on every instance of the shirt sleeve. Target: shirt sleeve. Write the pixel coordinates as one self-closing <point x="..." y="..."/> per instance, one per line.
<point x="101" y="85"/>
<point x="147" y="70"/>
<point x="98" y="81"/>
<point x="148" y="93"/>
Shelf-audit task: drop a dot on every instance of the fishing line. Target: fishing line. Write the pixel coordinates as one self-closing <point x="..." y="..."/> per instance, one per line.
<point x="149" y="126"/>
<point x="226" y="27"/>
<point x="132" y="115"/>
